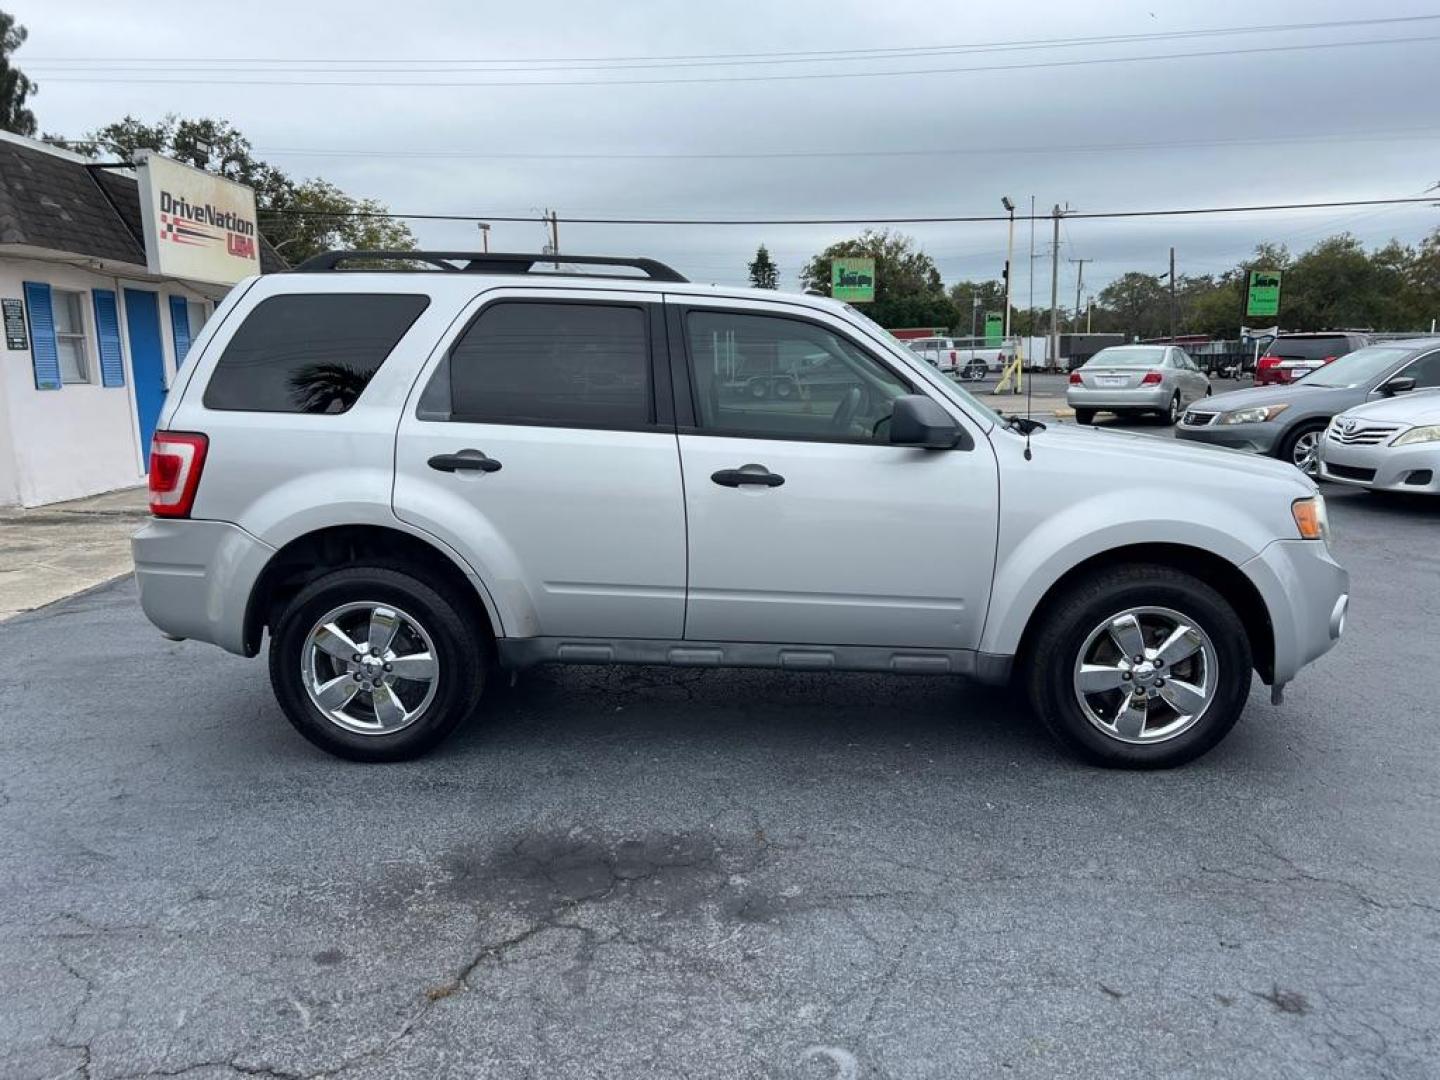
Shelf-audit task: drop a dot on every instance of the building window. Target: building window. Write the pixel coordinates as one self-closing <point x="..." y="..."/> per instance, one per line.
<point x="69" y="310"/>
<point x="195" y="315"/>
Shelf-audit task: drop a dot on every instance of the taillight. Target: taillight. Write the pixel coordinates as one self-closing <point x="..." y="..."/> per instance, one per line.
<point x="952" y="356"/>
<point x="1269" y="361"/>
<point x="1075" y="379"/>
<point x="1152" y="378"/>
<point x="176" y="459"/>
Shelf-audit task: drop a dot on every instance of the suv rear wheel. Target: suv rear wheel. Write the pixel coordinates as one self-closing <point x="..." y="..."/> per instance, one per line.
<point x="1140" y="667"/>
<point x="373" y="664"/>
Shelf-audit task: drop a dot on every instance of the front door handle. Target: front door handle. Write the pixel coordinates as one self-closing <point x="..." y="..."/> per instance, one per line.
<point x="464" y="461"/>
<point x="747" y="474"/>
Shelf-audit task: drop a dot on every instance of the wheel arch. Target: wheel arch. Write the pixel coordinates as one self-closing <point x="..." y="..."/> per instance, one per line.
<point x="1215" y="570"/>
<point x="315" y="553"/>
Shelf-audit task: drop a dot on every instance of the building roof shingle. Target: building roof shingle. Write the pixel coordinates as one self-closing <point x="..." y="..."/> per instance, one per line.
<point x="49" y="200"/>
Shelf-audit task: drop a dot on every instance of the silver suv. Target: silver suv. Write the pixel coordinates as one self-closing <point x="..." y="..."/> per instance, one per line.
<point x="417" y="478"/>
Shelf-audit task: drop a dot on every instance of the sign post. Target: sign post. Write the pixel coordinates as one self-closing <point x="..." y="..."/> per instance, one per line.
<point x="198" y="226"/>
<point x="1262" y="299"/>
<point x="853" y="280"/>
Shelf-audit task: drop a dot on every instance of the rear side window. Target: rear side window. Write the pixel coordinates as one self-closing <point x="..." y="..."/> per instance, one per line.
<point x="562" y="364"/>
<point x="311" y="352"/>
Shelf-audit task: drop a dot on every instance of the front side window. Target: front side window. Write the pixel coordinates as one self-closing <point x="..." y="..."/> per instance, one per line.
<point x="310" y="352"/>
<point x="557" y="364"/>
<point x="770" y="376"/>
<point x="69" y="313"/>
<point x="1425" y="371"/>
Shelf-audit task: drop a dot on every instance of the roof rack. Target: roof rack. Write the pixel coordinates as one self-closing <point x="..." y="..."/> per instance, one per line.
<point x="486" y="262"/>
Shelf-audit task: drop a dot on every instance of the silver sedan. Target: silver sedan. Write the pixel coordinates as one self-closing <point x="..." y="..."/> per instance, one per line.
<point x="1131" y="379"/>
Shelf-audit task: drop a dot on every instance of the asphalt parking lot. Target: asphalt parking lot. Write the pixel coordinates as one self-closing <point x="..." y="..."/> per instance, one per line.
<point x="647" y="873"/>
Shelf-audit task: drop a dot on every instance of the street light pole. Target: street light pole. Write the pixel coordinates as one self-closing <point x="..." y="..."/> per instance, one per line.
<point x="1009" y="259"/>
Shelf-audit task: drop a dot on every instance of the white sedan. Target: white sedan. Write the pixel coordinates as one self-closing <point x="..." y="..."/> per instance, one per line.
<point x="1387" y="445"/>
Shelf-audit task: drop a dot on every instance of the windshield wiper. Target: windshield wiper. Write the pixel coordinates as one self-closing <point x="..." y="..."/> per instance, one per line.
<point x="1023" y="424"/>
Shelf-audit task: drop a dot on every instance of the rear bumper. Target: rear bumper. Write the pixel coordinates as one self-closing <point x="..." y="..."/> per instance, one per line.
<point x="1390" y="468"/>
<point x="1083" y="397"/>
<point x="195" y="578"/>
<point x="1307" y="594"/>
<point x="1254" y="438"/>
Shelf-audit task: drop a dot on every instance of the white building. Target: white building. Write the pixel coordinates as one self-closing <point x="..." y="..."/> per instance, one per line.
<point x="93" y="338"/>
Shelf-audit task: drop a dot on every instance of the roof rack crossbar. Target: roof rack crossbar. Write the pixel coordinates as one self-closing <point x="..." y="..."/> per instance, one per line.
<point x="486" y="262"/>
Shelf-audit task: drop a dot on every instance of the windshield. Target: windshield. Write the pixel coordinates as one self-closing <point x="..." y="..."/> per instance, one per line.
<point x="1127" y="357"/>
<point x="1358" y="368"/>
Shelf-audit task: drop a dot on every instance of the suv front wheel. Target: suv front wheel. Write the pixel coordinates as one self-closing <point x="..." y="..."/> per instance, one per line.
<point x="1140" y="667"/>
<point x="373" y="664"/>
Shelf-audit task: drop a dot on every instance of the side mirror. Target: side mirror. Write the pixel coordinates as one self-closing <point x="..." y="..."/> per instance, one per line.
<point x="1400" y="385"/>
<point x="917" y="420"/>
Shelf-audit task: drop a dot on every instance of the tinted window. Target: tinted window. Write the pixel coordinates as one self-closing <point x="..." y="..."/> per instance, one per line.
<point x="1313" y="348"/>
<point x="1425" y="371"/>
<point x="552" y="363"/>
<point x="310" y="353"/>
<point x="766" y="375"/>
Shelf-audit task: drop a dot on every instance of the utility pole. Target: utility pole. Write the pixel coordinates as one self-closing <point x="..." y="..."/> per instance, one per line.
<point x="1054" y="351"/>
<point x="1172" y="295"/>
<point x="1079" y="282"/>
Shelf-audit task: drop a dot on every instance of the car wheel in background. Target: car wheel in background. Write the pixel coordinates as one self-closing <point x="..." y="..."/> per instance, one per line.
<point x="373" y="664"/>
<point x="1140" y="667"/>
<point x="1171" y="415"/>
<point x="1085" y="416"/>
<point x="1301" y="447"/>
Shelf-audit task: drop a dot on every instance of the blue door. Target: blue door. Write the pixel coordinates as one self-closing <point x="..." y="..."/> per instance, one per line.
<point x="147" y="361"/>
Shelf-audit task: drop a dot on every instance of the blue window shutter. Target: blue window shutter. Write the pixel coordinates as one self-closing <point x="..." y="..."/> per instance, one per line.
<point x="107" y="330"/>
<point x="43" y="353"/>
<point x="180" y="326"/>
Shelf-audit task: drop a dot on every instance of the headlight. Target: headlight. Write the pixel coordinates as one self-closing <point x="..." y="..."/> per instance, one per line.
<point x="1419" y="434"/>
<point x="1253" y="416"/>
<point x="1311" y="518"/>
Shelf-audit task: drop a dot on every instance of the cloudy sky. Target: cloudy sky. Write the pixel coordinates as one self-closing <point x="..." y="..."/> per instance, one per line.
<point x="892" y="108"/>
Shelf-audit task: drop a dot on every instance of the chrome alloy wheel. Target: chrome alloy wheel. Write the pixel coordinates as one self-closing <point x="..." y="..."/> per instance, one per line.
<point x="1146" y="675"/>
<point x="370" y="668"/>
<point x="1304" y="453"/>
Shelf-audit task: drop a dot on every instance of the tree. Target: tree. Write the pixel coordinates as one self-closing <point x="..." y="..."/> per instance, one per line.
<point x="973" y="299"/>
<point x="300" y="218"/>
<point x="764" y="274"/>
<point x="908" y="291"/>
<point x="1136" y="305"/>
<point x="14" y="86"/>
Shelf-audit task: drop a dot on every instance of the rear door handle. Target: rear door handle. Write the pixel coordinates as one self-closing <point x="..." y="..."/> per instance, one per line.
<point x="464" y="461"/>
<point x="748" y="474"/>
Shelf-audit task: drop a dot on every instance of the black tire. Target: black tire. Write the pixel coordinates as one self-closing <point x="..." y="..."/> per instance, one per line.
<point x="1285" y="449"/>
<point x="1171" y="416"/>
<point x="461" y="651"/>
<point x="1084" y="416"/>
<point x="1051" y="656"/>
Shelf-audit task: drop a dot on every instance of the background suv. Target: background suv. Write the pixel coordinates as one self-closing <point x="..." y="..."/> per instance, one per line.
<point x="412" y="479"/>
<point x="1293" y="356"/>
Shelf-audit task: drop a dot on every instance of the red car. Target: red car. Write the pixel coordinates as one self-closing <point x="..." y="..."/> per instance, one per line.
<point x="1292" y="356"/>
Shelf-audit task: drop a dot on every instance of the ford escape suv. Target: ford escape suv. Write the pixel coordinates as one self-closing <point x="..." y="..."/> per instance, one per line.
<point x="415" y="478"/>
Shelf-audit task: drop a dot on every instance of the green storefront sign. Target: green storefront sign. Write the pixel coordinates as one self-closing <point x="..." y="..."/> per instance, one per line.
<point x="994" y="328"/>
<point x="853" y="280"/>
<point x="1263" y="298"/>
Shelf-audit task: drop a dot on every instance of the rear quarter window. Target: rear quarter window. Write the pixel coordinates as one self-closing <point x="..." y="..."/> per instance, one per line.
<point x="309" y="352"/>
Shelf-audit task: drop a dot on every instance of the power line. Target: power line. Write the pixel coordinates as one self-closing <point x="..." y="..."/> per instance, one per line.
<point x="1398" y="134"/>
<point x="375" y="83"/>
<point x="948" y="219"/>
<point x="805" y="56"/>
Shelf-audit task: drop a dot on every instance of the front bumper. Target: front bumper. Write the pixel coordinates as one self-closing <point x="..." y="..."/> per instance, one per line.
<point x="1254" y="438"/>
<point x="195" y="578"/>
<point x="1151" y="397"/>
<point x="1307" y="594"/>
<point x="1389" y="468"/>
